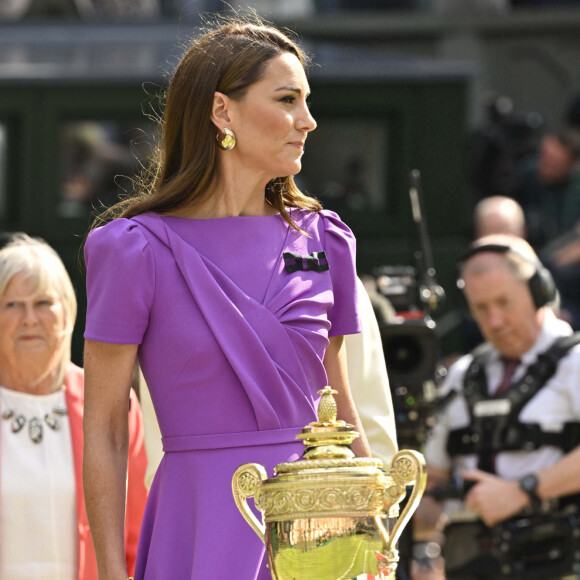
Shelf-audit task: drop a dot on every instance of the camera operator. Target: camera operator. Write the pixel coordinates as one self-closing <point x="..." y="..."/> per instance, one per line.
<point x="511" y="432"/>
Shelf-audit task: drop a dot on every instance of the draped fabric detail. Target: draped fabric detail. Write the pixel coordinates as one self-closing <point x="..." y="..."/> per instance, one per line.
<point x="244" y="329"/>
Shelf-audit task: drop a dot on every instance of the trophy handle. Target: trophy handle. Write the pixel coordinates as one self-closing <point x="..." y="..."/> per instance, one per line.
<point x="246" y="482"/>
<point x="407" y="466"/>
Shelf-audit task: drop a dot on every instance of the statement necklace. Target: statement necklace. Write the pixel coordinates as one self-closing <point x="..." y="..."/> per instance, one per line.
<point x="35" y="428"/>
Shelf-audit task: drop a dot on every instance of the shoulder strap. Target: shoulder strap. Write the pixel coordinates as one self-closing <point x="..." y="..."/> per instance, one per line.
<point x="475" y="379"/>
<point x="538" y="373"/>
<point x="493" y="433"/>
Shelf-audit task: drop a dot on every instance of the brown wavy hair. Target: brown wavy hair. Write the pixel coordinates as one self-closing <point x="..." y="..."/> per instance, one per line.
<point x="229" y="57"/>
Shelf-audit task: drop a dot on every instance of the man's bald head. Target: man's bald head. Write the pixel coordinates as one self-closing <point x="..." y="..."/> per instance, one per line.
<point x="499" y="215"/>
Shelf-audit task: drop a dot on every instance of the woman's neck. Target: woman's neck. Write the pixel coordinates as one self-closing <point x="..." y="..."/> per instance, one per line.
<point x="30" y="380"/>
<point x="217" y="207"/>
<point x="234" y="193"/>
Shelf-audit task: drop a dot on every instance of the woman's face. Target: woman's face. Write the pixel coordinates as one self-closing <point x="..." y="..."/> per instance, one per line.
<point x="555" y="161"/>
<point x="31" y="324"/>
<point x="272" y="120"/>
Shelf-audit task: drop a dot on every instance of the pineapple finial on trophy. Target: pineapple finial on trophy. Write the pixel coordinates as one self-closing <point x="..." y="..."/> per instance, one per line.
<point x="327" y="409"/>
<point x="328" y="437"/>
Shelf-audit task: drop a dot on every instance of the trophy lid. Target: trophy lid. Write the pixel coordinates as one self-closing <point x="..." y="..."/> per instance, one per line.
<point x="328" y="439"/>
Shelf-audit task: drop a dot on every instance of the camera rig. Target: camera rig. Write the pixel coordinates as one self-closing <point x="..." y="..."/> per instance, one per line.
<point x="409" y="340"/>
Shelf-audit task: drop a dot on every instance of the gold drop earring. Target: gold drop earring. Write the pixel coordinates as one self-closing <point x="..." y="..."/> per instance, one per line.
<point x="228" y="142"/>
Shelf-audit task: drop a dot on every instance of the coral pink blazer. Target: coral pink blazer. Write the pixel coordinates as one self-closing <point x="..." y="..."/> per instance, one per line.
<point x="136" y="491"/>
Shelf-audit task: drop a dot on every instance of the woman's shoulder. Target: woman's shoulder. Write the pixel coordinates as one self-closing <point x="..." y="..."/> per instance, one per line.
<point x="116" y="228"/>
<point x="125" y="226"/>
<point x="122" y="237"/>
<point x="125" y="230"/>
<point x="335" y="228"/>
<point x="333" y="220"/>
<point x="324" y="219"/>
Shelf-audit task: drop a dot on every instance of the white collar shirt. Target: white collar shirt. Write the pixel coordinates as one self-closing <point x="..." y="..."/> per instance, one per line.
<point x="557" y="403"/>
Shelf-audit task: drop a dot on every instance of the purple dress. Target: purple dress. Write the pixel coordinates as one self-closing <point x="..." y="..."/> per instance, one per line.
<point x="232" y="316"/>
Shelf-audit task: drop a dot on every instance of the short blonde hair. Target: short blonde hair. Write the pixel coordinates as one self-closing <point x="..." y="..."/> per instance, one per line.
<point x="520" y="257"/>
<point x="43" y="268"/>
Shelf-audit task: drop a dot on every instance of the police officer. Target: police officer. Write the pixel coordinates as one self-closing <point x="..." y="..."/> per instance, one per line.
<point x="508" y="436"/>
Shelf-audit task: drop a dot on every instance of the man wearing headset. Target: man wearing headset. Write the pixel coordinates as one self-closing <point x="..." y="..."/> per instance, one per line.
<point x="509" y="436"/>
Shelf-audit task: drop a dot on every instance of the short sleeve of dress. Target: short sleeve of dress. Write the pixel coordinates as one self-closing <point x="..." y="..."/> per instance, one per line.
<point x="120" y="283"/>
<point x="340" y="248"/>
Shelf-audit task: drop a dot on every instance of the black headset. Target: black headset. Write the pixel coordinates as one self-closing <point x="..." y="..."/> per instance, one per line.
<point x="541" y="284"/>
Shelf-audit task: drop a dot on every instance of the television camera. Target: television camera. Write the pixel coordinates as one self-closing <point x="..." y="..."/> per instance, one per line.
<point x="409" y="340"/>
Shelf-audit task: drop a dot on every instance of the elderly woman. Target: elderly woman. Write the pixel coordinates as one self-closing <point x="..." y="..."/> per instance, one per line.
<point x="44" y="532"/>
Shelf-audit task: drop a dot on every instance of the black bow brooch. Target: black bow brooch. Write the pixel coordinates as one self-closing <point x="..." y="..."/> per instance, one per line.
<point x="316" y="261"/>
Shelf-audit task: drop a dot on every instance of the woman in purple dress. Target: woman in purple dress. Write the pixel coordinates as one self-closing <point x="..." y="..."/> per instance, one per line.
<point x="234" y="290"/>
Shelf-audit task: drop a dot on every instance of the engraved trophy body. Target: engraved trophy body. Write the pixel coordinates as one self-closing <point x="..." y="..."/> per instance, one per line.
<point x="331" y="515"/>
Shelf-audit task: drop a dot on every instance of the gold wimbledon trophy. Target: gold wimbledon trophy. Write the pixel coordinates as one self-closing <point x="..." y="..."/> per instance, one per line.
<point x="331" y="515"/>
